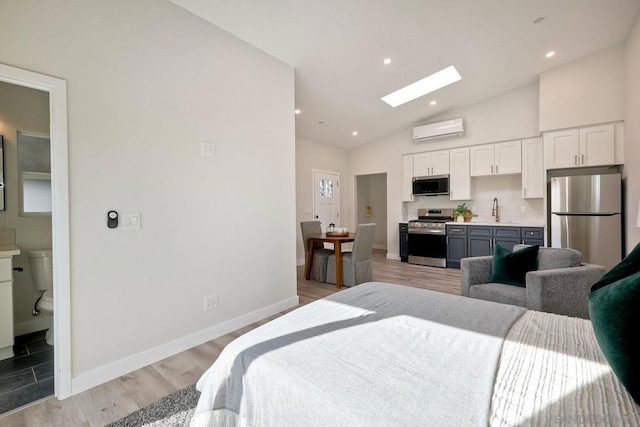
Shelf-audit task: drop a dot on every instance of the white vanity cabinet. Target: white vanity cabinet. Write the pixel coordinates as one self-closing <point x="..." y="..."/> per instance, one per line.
<point x="586" y="146"/>
<point x="431" y="163"/>
<point x="501" y="158"/>
<point x="6" y="302"/>
<point x="533" y="179"/>
<point x="407" y="178"/>
<point x="459" y="178"/>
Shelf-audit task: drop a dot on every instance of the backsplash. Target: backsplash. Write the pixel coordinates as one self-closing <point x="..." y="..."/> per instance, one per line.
<point x="507" y="189"/>
<point x="7" y="236"/>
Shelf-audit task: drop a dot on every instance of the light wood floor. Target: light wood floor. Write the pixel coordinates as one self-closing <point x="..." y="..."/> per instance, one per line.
<point x="117" y="398"/>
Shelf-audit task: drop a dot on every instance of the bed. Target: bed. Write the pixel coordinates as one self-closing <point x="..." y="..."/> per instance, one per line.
<point x="381" y="354"/>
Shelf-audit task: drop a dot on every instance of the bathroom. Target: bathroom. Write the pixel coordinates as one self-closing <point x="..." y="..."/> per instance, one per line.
<point x="24" y="123"/>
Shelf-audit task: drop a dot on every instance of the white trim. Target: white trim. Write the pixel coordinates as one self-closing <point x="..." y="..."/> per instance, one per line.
<point x="131" y="363"/>
<point x="394" y="257"/>
<point x="379" y="246"/>
<point x="57" y="89"/>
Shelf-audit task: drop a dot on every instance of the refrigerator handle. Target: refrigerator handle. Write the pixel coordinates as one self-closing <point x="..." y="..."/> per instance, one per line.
<point x="585" y="213"/>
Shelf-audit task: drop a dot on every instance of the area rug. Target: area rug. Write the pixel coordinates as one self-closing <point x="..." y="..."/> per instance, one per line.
<point x="175" y="409"/>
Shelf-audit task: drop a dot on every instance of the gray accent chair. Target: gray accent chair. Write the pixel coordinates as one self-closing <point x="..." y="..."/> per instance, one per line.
<point x="320" y="254"/>
<point x="356" y="265"/>
<point x="560" y="285"/>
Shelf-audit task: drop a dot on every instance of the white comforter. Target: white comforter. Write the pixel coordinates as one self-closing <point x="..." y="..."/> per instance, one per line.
<point x="385" y="355"/>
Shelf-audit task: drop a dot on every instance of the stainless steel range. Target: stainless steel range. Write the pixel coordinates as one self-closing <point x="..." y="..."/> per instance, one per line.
<point x="427" y="237"/>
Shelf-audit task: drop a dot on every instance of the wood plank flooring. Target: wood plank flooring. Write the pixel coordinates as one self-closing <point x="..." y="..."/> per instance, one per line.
<point x="117" y="398"/>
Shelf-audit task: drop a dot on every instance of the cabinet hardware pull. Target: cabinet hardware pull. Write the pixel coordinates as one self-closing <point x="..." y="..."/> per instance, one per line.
<point x="496" y="168"/>
<point x="525" y="192"/>
<point x="491" y="168"/>
<point x="575" y="159"/>
<point x="583" y="159"/>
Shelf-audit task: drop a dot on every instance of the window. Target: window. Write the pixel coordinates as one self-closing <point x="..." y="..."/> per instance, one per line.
<point x="34" y="171"/>
<point x="326" y="188"/>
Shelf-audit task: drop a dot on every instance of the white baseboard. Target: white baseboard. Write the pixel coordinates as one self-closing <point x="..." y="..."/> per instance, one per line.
<point x="395" y="257"/>
<point x="36" y="324"/>
<point x="131" y="363"/>
<point x="384" y="247"/>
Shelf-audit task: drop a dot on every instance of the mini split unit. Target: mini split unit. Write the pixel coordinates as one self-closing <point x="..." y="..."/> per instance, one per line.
<point x="447" y="128"/>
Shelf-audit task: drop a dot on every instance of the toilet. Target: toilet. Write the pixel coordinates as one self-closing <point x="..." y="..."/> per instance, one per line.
<point x="41" y="263"/>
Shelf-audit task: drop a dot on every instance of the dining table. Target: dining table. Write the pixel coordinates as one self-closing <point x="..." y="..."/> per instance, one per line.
<point x="337" y="240"/>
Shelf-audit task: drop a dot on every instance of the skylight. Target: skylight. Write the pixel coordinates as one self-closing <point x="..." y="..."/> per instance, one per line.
<point x="422" y="87"/>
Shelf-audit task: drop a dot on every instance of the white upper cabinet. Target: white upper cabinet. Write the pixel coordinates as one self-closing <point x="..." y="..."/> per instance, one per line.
<point x="407" y="178"/>
<point x="587" y="146"/>
<point x="459" y="179"/>
<point x="501" y="158"/>
<point x="431" y="163"/>
<point x="532" y="169"/>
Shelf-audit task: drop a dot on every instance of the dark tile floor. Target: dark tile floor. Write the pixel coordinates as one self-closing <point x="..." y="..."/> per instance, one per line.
<point x="28" y="376"/>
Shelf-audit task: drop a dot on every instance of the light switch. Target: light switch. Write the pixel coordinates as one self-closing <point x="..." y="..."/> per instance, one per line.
<point x="207" y="149"/>
<point x="130" y="220"/>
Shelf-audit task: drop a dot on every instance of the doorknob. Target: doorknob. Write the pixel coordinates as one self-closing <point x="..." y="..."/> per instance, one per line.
<point x="316" y="216"/>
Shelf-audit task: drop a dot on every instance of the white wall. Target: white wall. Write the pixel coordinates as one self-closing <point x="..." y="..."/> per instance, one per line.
<point x="632" y="133"/>
<point x="147" y="82"/>
<point x="586" y="91"/>
<point x="26" y="110"/>
<point x="312" y="155"/>
<point x="512" y="115"/>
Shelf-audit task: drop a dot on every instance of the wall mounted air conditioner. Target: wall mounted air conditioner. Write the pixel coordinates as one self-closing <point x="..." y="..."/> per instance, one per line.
<point x="447" y="128"/>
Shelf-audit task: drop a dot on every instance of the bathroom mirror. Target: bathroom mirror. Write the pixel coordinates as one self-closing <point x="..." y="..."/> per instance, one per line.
<point x="1" y="173"/>
<point x="34" y="174"/>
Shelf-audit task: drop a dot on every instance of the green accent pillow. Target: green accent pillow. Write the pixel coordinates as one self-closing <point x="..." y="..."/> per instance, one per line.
<point x="615" y="315"/>
<point x="511" y="268"/>
<point x="628" y="266"/>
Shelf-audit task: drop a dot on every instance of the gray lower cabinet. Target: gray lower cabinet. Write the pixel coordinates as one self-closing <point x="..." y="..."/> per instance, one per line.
<point x="456" y="245"/>
<point x="480" y="240"/>
<point x="404" y="242"/>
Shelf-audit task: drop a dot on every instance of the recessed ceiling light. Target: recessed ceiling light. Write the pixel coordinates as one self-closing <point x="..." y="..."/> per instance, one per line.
<point x="433" y="103"/>
<point x="354" y="133"/>
<point x="297" y="111"/>
<point x="422" y="87"/>
<point x="387" y="61"/>
<point x="539" y="20"/>
<point x="550" y="54"/>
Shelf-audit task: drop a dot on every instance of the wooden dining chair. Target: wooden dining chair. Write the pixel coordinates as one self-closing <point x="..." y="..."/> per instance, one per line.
<point x="356" y="265"/>
<point x="320" y="253"/>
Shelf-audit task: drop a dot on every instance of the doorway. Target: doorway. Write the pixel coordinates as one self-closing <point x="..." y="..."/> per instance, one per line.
<point x="57" y="92"/>
<point x="371" y="205"/>
<point x="326" y="198"/>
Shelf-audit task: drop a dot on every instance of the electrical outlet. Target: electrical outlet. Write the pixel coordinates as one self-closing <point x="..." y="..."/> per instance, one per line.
<point x="207" y="149"/>
<point x="523" y="209"/>
<point x="210" y="301"/>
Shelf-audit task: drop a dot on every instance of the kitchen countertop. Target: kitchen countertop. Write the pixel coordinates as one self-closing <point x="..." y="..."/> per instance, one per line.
<point x="499" y="224"/>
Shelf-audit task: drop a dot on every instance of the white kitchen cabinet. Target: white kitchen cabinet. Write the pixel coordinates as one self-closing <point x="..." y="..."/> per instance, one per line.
<point x="431" y="163"/>
<point x="501" y="158"/>
<point x="532" y="169"/>
<point x="587" y="146"/>
<point x="459" y="178"/>
<point x="407" y="178"/>
<point x="6" y="308"/>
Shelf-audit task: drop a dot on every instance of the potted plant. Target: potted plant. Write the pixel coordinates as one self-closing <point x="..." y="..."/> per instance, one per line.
<point x="461" y="211"/>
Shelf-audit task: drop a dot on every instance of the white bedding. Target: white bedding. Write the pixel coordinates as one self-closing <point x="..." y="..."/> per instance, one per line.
<point x="383" y="355"/>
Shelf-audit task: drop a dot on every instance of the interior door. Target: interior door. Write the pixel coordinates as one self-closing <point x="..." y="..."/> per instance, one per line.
<point x="326" y="198"/>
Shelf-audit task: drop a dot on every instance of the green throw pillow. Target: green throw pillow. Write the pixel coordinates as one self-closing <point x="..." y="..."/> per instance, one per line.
<point x="615" y="315"/>
<point x="628" y="266"/>
<point x="511" y="267"/>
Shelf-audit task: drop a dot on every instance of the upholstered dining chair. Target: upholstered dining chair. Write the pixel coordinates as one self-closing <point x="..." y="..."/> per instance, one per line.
<point x="356" y="265"/>
<point x="320" y="254"/>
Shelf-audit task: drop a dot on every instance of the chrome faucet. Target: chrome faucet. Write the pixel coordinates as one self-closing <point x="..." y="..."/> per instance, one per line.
<point x="494" y="209"/>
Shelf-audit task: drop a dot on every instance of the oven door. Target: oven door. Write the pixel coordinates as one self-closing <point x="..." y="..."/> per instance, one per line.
<point x="428" y="247"/>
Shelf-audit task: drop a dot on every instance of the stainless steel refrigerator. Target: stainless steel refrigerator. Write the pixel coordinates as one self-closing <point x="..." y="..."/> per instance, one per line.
<point x="585" y="213"/>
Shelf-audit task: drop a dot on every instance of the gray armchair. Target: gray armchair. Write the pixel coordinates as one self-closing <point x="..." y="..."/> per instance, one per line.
<point x="356" y="265"/>
<point x="320" y="254"/>
<point x="560" y="285"/>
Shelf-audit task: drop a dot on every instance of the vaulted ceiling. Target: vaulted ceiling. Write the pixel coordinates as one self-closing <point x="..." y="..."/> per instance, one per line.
<point x="337" y="48"/>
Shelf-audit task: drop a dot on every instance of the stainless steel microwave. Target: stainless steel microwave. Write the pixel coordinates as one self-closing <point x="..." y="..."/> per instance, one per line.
<point x="431" y="185"/>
